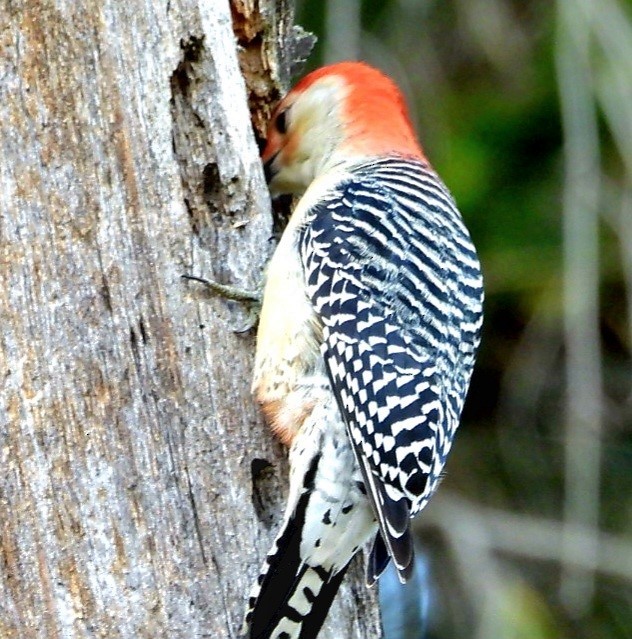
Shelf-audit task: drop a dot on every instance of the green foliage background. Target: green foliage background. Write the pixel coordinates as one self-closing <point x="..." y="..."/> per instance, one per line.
<point x="484" y="90"/>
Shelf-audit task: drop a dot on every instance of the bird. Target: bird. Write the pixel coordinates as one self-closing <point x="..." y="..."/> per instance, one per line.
<point x="369" y="328"/>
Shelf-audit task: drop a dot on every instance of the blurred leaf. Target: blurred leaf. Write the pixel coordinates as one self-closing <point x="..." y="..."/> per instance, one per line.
<point x="524" y="614"/>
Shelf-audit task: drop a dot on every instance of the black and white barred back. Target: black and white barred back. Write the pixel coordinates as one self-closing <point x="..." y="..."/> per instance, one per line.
<point x="393" y="274"/>
<point x="393" y="277"/>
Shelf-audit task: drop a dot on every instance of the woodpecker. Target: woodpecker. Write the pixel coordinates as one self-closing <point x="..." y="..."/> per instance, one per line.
<point x="370" y="323"/>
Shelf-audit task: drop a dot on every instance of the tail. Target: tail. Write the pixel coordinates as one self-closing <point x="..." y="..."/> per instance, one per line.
<point x="291" y="598"/>
<point x="294" y="608"/>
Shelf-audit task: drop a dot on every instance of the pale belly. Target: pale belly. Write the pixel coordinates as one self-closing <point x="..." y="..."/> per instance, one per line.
<point x="288" y="363"/>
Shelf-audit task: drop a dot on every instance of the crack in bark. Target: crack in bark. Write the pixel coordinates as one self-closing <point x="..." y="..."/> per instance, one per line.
<point x="264" y="491"/>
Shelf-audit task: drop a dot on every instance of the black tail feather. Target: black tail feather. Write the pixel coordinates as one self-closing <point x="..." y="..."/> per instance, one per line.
<point x="287" y="580"/>
<point x="378" y="560"/>
<point x="313" y="623"/>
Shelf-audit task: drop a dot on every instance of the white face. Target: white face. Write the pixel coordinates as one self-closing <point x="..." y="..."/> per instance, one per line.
<point x="303" y="138"/>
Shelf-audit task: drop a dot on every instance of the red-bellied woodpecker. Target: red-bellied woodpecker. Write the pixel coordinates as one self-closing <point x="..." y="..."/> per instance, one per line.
<point x="371" y="317"/>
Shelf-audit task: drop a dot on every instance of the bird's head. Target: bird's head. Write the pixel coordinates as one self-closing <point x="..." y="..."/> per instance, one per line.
<point x="339" y="114"/>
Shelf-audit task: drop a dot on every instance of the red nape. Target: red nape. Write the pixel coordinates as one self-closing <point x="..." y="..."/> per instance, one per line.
<point x="374" y="110"/>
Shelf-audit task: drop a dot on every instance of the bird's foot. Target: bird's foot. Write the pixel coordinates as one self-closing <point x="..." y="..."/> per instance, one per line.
<point x="252" y="299"/>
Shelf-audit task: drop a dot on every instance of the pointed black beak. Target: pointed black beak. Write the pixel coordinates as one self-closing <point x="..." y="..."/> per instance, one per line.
<point x="268" y="169"/>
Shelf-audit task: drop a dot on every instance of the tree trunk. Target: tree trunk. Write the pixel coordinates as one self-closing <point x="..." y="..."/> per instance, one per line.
<point x="140" y="488"/>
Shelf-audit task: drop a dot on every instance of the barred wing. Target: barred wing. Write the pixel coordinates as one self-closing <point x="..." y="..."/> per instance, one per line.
<point x="392" y="274"/>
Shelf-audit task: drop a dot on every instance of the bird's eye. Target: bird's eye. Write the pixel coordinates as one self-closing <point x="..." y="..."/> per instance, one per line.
<point x="281" y="122"/>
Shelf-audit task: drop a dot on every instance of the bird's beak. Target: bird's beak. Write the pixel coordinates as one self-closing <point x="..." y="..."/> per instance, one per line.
<point x="269" y="169"/>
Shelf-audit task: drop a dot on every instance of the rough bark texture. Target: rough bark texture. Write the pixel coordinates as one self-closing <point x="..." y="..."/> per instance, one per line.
<point x="139" y="487"/>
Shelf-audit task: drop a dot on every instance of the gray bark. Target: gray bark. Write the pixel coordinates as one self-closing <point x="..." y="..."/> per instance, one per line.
<point x="140" y="488"/>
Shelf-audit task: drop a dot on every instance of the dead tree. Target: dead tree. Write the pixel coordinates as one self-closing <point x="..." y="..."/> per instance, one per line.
<point x="139" y="487"/>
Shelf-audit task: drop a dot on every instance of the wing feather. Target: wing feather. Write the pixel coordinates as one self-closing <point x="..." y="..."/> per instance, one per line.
<point x="379" y="272"/>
